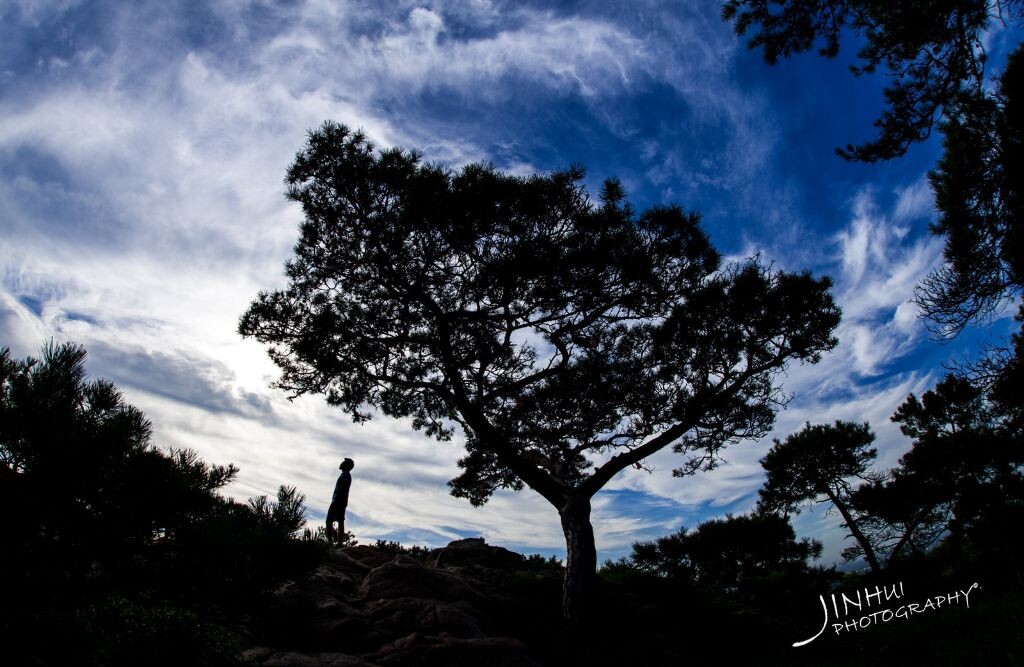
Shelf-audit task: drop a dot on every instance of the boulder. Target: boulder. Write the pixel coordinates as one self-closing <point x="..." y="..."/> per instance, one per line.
<point x="363" y="606"/>
<point x="474" y="551"/>
<point x="308" y="612"/>
<point x="270" y="657"/>
<point x="341" y="560"/>
<point x="406" y="578"/>
<point x="333" y="581"/>
<point x="350" y="634"/>
<point x="369" y="556"/>
<point x="403" y="616"/>
<point x="447" y="651"/>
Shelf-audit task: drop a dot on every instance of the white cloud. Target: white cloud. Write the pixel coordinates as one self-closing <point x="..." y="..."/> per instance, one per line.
<point x="881" y="265"/>
<point x="914" y="201"/>
<point x="22" y="331"/>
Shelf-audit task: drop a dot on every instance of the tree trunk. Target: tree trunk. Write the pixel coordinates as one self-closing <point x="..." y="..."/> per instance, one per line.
<point x="904" y="539"/>
<point x="580" y="563"/>
<point x="862" y="540"/>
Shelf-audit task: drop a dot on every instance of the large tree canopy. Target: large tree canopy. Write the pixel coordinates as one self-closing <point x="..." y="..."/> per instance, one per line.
<point x="568" y="339"/>
<point x="931" y="51"/>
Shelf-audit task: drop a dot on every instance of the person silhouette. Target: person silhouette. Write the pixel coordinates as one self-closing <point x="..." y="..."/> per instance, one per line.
<point x="336" y="512"/>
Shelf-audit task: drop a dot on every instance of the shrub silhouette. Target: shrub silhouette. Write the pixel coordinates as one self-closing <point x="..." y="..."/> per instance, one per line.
<point x="754" y="559"/>
<point x="118" y="552"/>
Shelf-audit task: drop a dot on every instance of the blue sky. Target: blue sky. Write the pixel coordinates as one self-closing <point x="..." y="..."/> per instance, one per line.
<point x="142" y="153"/>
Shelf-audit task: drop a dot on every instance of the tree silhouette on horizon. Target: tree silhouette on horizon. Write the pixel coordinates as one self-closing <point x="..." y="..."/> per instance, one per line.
<point x="567" y="339"/>
<point x="729" y="552"/>
<point x="961" y="477"/>
<point x="815" y="465"/>
<point x="118" y="552"/>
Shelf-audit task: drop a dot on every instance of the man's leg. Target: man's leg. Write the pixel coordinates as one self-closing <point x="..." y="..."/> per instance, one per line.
<point x="331" y="518"/>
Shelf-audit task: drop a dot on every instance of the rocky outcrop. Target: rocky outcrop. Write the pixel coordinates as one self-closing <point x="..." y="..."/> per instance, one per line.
<point x="364" y="606"/>
<point x="474" y="552"/>
<point x="404" y="577"/>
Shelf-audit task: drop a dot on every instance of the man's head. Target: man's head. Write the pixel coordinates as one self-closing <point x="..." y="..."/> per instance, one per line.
<point x="347" y="465"/>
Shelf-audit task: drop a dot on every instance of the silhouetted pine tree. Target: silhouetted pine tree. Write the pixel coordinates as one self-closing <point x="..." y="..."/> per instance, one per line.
<point x="547" y="327"/>
<point x="116" y="552"/>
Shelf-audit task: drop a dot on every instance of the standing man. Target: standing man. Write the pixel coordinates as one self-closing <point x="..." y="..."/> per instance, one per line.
<point x="336" y="512"/>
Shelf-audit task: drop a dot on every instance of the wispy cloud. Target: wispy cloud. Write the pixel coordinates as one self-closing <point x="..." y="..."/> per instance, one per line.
<point x="880" y="268"/>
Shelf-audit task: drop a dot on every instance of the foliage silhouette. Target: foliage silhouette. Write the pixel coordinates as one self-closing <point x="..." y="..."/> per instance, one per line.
<point x="1006" y="392"/>
<point x="118" y="552"/>
<point x="731" y="555"/>
<point x="977" y="186"/>
<point x="567" y="339"/>
<point x="741" y="576"/>
<point x="816" y="465"/>
<point x="415" y="552"/>
<point x="935" y="59"/>
<point x="963" y="473"/>
<point x="902" y="516"/>
<point x="960" y="480"/>
<point x="931" y="51"/>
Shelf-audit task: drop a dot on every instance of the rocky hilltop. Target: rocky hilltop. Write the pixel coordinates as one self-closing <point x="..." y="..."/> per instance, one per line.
<point x="468" y="603"/>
